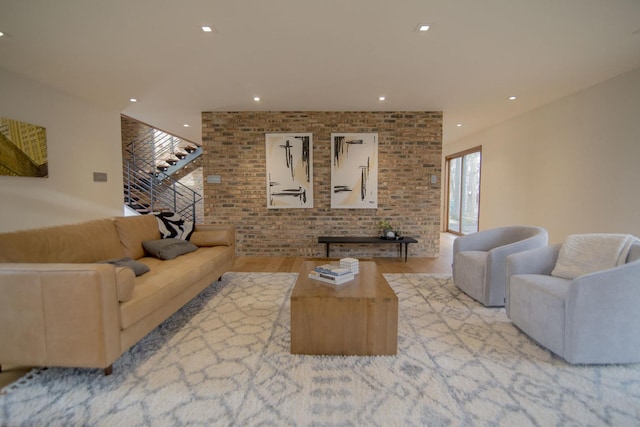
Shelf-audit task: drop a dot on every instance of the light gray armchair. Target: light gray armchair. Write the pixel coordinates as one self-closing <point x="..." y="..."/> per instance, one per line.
<point x="479" y="260"/>
<point x="592" y="319"/>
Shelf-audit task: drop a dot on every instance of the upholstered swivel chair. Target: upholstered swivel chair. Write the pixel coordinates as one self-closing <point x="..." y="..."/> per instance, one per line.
<point x="591" y="319"/>
<point x="479" y="260"/>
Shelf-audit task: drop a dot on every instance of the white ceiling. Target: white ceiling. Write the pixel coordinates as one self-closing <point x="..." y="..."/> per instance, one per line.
<point x="323" y="55"/>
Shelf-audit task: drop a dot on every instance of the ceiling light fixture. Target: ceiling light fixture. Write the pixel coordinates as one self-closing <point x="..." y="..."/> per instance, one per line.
<point x="256" y="98"/>
<point x="1" y="34"/>
<point x="459" y="125"/>
<point x="512" y="98"/>
<point x="186" y="125"/>
<point x="382" y="98"/>
<point x="133" y="99"/>
<point x="207" y="29"/>
<point x="423" y="27"/>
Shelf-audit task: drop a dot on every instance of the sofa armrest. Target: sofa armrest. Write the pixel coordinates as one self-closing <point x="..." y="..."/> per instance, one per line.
<point x="533" y="261"/>
<point x="59" y="315"/>
<point x="213" y="235"/>
<point x="602" y="320"/>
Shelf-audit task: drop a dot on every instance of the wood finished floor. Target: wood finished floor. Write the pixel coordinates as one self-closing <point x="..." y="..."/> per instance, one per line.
<point x="441" y="264"/>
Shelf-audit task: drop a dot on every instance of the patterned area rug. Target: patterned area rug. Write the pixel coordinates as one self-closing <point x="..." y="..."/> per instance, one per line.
<point x="224" y="360"/>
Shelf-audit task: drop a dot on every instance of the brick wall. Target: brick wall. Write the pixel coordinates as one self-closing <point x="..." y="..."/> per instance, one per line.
<point x="410" y="151"/>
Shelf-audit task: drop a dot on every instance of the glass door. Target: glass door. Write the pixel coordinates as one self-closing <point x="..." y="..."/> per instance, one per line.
<point x="463" y="196"/>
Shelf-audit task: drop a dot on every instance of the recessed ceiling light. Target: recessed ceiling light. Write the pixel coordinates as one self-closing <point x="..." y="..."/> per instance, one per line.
<point x="186" y="125"/>
<point x="133" y="99"/>
<point x="382" y="98"/>
<point x="207" y="29"/>
<point x="256" y="98"/>
<point x="512" y="98"/>
<point x="423" y="27"/>
<point x="1" y="34"/>
<point x="459" y="125"/>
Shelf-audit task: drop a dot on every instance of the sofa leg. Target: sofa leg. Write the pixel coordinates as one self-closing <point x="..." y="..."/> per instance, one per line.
<point x="108" y="370"/>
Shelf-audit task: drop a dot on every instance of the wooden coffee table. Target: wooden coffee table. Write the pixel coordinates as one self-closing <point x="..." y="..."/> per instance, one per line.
<point x="356" y="318"/>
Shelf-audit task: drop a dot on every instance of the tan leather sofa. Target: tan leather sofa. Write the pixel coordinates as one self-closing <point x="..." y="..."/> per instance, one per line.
<point x="59" y="307"/>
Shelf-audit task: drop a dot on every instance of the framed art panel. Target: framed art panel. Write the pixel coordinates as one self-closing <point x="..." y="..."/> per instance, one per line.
<point x="354" y="170"/>
<point x="289" y="159"/>
<point x="23" y="149"/>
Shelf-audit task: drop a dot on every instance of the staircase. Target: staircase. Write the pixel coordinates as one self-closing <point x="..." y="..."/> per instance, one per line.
<point x="149" y="163"/>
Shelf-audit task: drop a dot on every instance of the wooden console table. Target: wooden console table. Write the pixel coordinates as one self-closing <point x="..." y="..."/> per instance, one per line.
<point x="328" y="240"/>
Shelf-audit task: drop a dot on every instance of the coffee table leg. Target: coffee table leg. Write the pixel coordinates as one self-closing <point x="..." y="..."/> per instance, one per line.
<point x="327" y="249"/>
<point x="406" y="251"/>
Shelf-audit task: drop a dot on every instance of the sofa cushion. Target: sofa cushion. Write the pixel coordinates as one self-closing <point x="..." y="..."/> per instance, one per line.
<point x="168" y="279"/>
<point x="133" y="230"/>
<point x="212" y="238"/>
<point x="85" y="242"/>
<point x="138" y="268"/>
<point x="168" y="248"/>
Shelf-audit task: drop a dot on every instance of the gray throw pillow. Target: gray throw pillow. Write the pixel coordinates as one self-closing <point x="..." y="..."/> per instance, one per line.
<point x="168" y="248"/>
<point x="138" y="268"/>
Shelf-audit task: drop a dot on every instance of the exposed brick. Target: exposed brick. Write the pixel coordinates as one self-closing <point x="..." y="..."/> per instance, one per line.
<point x="410" y="149"/>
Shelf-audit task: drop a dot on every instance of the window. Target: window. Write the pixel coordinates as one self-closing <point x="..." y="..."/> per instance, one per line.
<point x="463" y="195"/>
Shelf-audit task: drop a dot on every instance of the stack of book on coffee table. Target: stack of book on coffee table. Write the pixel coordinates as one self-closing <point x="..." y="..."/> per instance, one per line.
<point x="350" y="263"/>
<point x="332" y="273"/>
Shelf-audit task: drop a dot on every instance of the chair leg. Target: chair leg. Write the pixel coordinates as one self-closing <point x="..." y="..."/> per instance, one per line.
<point x="108" y="370"/>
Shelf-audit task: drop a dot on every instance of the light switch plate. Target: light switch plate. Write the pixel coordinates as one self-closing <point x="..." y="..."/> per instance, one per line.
<point x="100" y="177"/>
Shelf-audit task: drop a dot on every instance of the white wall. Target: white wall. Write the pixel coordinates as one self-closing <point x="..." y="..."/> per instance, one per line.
<point x="82" y="138"/>
<point x="572" y="166"/>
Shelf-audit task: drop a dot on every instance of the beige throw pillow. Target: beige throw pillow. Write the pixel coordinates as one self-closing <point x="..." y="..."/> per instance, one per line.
<point x="582" y="254"/>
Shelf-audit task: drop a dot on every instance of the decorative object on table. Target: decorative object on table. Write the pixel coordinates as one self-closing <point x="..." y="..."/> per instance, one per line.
<point x="354" y="170"/>
<point x="351" y="263"/>
<point x="386" y="230"/>
<point x="289" y="158"/>
<point x="332" y="273"/>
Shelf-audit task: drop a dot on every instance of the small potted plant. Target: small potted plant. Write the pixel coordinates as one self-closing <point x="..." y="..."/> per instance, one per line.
<point x="387" y="229"/>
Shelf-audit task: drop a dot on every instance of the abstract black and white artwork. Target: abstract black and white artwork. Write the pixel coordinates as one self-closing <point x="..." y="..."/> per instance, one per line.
<point x="354" y="170"/>
<point x="289" y="170"/>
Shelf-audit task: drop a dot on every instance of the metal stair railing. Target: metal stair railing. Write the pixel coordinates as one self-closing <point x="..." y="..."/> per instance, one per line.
<point x="149" y="161"/>
<point x="150" y="190"/>
<point x="166" y="152"/>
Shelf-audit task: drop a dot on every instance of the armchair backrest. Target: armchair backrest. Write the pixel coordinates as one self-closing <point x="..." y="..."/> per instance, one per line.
<point x="487" y="240"/>
<point x="518" y="233"/>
